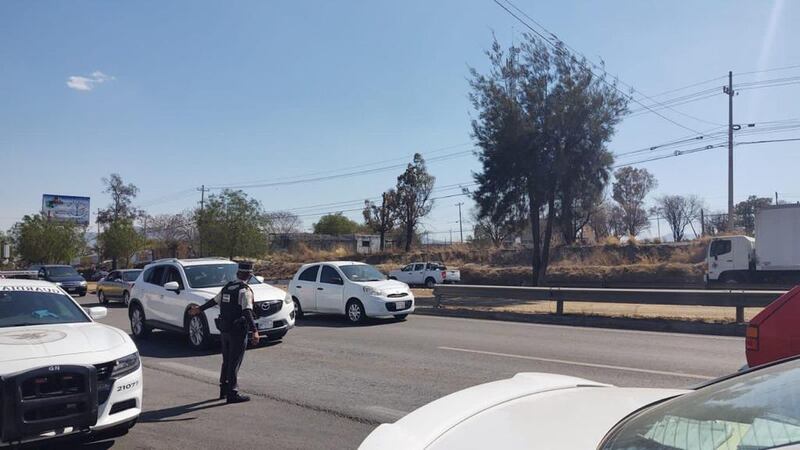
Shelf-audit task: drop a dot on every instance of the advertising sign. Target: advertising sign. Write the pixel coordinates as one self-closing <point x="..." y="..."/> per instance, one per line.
<point x="66" y="207"/>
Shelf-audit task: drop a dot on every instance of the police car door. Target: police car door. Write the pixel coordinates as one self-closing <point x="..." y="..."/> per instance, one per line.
<point x="330" y="291"/>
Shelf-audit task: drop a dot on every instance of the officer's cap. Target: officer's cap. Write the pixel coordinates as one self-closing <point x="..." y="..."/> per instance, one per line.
<point x="245" y="266"/>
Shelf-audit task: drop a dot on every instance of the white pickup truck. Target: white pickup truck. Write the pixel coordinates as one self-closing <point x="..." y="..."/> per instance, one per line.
<point x="427" y="273"/>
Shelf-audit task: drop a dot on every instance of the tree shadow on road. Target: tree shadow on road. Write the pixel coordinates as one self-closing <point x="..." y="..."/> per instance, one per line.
<point x="171" y="414"/>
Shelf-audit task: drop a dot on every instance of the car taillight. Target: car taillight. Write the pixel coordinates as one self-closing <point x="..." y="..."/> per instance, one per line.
<point x="444" y="274"/>
<point x="751" y="338"/>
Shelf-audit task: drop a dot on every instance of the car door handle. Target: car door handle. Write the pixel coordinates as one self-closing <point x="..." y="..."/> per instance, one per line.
<point x="320" y="289"/>
<point x="299" y="287"/>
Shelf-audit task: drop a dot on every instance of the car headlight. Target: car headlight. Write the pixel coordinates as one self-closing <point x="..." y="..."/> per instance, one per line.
<point x="288" y="298"/>
<point x="372" y="291"/>
<point x="83" y="283"/>
<point x="57" y="283"/>
<point x="126" y="365"/>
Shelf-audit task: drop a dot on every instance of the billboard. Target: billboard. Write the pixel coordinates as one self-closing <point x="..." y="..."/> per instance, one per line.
<point x="66" y="207"/>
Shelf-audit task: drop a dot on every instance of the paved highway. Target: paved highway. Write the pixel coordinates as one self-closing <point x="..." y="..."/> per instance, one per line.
<point x="327" y="385"/>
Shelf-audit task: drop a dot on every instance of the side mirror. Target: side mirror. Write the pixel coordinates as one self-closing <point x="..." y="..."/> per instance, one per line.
<point x="97" y="312"/>
<point x="260" y="278"/>
<point x="716" y="257"/>
<point x="337" y="280"/>
<point x="173" y="286"/>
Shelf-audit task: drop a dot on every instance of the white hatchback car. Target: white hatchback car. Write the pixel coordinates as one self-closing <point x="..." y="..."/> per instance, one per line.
<point x="62" y="373"/>
<point x="166" y="289"/>
<point x="354" y="289"/>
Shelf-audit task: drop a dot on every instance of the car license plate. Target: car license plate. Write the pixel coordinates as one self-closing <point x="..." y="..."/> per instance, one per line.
<point x="401" y="305"/>
<point x="264" y="325"/>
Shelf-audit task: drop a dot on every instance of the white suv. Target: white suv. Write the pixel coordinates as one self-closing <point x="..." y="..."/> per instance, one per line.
<point x="62" y="373"/>
<point x="166" y="289"/>
<point x="354" y="289"/>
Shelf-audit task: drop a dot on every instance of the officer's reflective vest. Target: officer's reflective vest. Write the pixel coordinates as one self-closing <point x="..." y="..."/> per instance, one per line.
<point x="230" y="307"/>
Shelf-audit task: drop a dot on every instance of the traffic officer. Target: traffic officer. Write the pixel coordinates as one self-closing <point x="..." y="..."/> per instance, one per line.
<point x="235" y="319"/>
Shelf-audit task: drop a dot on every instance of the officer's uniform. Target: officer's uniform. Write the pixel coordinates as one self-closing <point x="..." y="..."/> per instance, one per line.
<point x="235" y="319"/>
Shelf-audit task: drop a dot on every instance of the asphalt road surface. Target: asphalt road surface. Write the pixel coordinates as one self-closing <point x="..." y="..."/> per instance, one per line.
<point x="328" y="384"/>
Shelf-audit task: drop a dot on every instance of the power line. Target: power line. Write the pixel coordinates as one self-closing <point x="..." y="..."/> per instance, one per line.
<point x="774" y="69"/>
<point x="602" y="79"/>
<point x="342" y="175"/>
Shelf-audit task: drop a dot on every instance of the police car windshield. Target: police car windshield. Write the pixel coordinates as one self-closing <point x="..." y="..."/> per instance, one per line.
<point x="362" y="272"/>
<point x="37" y="305"/>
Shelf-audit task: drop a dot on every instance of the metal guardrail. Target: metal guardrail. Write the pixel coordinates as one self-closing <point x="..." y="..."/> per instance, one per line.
<point x="738" y="299"/>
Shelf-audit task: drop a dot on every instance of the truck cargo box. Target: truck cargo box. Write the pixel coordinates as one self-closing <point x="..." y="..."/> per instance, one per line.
<point x="778" y="238"/>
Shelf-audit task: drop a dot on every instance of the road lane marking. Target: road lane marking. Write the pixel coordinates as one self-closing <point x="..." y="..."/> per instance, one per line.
<point x="386" y="413"/>
<point x="579" y="363"/>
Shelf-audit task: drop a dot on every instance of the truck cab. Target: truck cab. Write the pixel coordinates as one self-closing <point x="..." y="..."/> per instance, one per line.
<point x="730" y="259"/>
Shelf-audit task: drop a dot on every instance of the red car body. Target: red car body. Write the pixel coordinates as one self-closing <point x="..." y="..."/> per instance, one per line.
<point x="774" y="333"/>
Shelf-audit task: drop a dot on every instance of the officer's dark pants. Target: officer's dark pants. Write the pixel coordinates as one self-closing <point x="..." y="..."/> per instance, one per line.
<point x="234" y="345"/>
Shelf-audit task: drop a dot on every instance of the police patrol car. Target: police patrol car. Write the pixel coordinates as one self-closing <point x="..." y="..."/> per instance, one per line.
<point x="62" y="373"/>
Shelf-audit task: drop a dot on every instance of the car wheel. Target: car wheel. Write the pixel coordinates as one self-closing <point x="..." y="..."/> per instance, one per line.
<point x="355" y="312"/>
<point x="197" y="330"/>
<point x="126" y="298"/>
<point x="401" y="316"/>
<point x="101" y="298"/>
<point x="430" y="282"/>
<point x="298" y="310"/>
<point x="139" y="327"/>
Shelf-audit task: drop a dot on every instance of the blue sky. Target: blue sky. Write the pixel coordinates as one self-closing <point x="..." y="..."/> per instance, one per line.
<point x="173" y="95"/>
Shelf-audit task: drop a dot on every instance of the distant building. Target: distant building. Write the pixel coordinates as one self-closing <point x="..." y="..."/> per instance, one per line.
<point x="362" y="244"/>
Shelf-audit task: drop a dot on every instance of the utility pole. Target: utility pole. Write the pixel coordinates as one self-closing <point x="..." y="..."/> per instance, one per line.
<point x="460" y="228"/>
<point x="702" y="223"/>
<point x="776" y="197"/>
<point x="451" y="236"/>
<point x="202" y="208"/>
<point x="729" y="90"/>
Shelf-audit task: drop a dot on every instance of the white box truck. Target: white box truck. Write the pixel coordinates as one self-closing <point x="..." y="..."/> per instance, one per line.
<point x="772" y="257"/>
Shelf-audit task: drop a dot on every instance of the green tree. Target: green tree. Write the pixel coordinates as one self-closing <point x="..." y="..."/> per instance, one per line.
<point x="38" y="240"/>
<point x="122" y="196"/>
<point x="629" y="190"/>
<point x="381" y="218"/>
<point x="745" y="212"/>
<point x="335" y="224"/>
<point x="231" y="224"/>
<point x="543" y="123"/>
<point x="120" y="241"/>
<point x="413" y="202"/>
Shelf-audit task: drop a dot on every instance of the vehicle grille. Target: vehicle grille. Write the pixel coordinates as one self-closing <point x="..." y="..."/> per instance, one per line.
<point x="104" y="381"/>
<point x="393" y="306"/>
<point x="398" y="295"/>
<point x="46" y="399"/>
<point x="267" y="308"/>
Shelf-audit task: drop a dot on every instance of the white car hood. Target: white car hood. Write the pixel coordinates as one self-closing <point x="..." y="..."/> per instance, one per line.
<point x="22" y="346"/>
<point x="388" y="286"/>
<point x="528" y="411"/>
<point x="261" y="292"/>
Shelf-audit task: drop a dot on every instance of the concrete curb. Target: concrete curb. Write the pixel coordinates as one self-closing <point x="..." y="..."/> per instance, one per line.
<point x="663" y="325"/>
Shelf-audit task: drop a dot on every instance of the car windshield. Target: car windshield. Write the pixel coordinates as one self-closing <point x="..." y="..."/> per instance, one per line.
<point x="37" y="305"/>
<point x="131" y="275"/>
<point x="210" y="275"/>
<point x="61" y="271"/>
<point x="362" y="272"/>
<point x="753" y="411"/>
